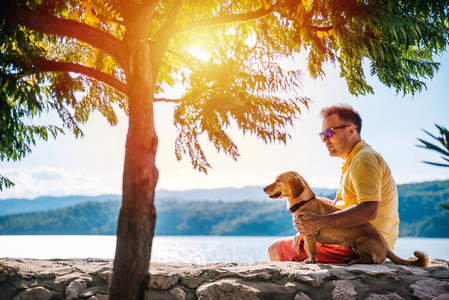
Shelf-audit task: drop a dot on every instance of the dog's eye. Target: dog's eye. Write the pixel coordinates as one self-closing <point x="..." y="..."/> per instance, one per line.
<point x="278" y="180"/>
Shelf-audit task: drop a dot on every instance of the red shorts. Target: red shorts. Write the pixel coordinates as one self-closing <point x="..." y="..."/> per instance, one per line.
<point x="325" y="253"/>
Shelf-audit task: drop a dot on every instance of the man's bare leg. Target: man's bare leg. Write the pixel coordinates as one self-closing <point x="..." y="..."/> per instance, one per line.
<point x="273" y="251"/>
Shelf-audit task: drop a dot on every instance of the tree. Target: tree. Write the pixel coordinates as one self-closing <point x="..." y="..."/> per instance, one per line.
<point x="443" y="149"/>
<point x="76" y="57"/>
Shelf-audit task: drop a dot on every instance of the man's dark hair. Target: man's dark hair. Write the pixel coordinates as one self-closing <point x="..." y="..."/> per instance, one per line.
<point x="345" y="113"/>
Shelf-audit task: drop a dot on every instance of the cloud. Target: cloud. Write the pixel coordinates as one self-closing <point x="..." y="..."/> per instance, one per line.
<point x="46" y="173"/>
<point x="44" y="181"/>
<point x="11" y="172"/>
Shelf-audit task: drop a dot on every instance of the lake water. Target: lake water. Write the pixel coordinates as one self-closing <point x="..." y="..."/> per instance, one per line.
<point x="192" y="249"/>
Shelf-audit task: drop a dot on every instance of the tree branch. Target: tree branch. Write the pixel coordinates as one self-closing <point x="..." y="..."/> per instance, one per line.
<point x="173" y="14"/>
<point x="326" y="29"/>
<point x="61" y="27"/>
<point x="159" y="43"/>
<point x="45" y="65"/>
<point x="167" y="100"/>
<point x="104" y="19"/>
<point x="254" y="15"/>
<point x="186" y="61"/>
<point x="148" y="6"/>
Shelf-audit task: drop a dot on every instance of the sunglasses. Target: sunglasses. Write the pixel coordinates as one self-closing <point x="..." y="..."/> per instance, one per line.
<point x="328" y="132"/>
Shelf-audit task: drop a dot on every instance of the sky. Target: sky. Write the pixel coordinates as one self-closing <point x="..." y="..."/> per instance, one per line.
<point x="392" y="124"/>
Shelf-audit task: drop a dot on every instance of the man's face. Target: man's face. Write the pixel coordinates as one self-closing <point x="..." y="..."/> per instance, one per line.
<point x="339" y="144"/>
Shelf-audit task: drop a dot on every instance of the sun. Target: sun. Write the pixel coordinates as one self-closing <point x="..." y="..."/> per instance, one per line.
<point x="200" y="53"/>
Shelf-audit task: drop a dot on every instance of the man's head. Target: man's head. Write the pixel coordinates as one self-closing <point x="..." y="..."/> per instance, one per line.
<point x="341" y="129"/>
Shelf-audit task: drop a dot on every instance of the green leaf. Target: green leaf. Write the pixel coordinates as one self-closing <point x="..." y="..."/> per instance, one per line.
<point x="436" y="164"/>
<point x="432" y="147"/>
<point x="5" y="183"/>
<point x="445" y="206"/>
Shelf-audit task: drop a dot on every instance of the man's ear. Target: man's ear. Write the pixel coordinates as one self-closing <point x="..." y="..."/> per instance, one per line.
<point x="353" y="130"/>
<point x="297" y="186"/>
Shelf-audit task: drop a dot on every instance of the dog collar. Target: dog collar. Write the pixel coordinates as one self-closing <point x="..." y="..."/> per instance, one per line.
<point x="298" y="205"/>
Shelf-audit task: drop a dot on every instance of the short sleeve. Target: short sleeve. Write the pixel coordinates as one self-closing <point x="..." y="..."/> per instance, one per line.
<point x="366" y="176"/>
<point x="338" y="195"/>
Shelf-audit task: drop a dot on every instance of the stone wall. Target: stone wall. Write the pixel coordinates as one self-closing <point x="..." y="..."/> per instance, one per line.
<point x="89" y="279"/>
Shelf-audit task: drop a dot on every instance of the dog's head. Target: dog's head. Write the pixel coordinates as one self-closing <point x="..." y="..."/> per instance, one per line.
<point x="289" y="185"/>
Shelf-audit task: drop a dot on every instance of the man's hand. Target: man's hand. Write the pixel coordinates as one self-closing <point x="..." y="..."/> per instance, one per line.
<point x="306" y="222"/>
<point x="334" y="203"/>
<point x="296" y="242"/>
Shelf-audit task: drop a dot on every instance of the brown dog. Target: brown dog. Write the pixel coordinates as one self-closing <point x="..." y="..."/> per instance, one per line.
<point x="365" y="240"/>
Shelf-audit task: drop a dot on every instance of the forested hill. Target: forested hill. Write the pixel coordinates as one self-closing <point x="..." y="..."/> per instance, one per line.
<point x="420" y="215"/>
<point x="249" y="193"/>
<point x="420" y="211"/>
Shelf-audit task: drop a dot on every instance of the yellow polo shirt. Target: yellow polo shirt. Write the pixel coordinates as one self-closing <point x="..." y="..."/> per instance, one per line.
<point x="365" y="176"/>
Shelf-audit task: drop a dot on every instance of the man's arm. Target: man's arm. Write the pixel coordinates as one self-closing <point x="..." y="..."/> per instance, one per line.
<point x="309" y="223"/>
<point x="336" y="200"/>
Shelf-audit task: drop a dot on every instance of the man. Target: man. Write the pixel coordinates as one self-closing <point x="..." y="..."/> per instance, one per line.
<point x="367" y="192"/>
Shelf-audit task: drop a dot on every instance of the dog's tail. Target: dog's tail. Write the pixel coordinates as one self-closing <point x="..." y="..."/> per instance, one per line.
<point x="422" y="260"/>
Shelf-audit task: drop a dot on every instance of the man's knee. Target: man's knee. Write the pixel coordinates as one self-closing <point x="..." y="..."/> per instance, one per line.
<point x="273" y="251"/>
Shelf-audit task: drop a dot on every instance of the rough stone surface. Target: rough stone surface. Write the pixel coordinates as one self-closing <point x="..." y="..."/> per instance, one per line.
<point x="163" y="281"/>
<point x="344" y="291"/>
<point x="75" y="288"/>
<point x="37" y="293"/>
<point x="391" y="296"/>
<point x="226" y="289"/>
<point x="90" y="279"/>
<point x="178" y="293"/>
<point x="429" y="289"/>
<point x="302" y="296"/>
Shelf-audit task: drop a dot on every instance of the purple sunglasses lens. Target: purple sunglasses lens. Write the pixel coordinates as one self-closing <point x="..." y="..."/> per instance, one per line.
<point x="327" y="133"/>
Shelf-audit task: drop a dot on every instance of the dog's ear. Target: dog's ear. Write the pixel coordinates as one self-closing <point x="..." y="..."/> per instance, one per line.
<point x="297" y="186"/>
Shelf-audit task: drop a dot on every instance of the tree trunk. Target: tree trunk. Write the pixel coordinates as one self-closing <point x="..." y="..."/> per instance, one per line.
<point x="137" y="217"/>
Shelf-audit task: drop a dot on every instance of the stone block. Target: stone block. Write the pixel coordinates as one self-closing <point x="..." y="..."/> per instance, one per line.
<point x="226" y="290"/>
<point x="36" y="293"/>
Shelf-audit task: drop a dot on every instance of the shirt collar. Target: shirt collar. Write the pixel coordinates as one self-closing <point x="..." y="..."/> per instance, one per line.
<point x="354" y="151"/>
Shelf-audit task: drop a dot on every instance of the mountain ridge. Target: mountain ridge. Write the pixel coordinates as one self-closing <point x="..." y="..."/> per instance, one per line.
<point x="227" y="195"/>
<point x="419" y="209"/>
<point x="44" y="203"/>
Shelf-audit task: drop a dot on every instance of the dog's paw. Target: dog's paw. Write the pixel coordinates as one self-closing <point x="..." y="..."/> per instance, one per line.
<point x="309" y="261"/>
<point x="352" y="262"/>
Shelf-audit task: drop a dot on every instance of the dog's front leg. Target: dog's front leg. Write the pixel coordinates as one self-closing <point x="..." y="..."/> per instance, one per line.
<point x="310" y="247"/>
